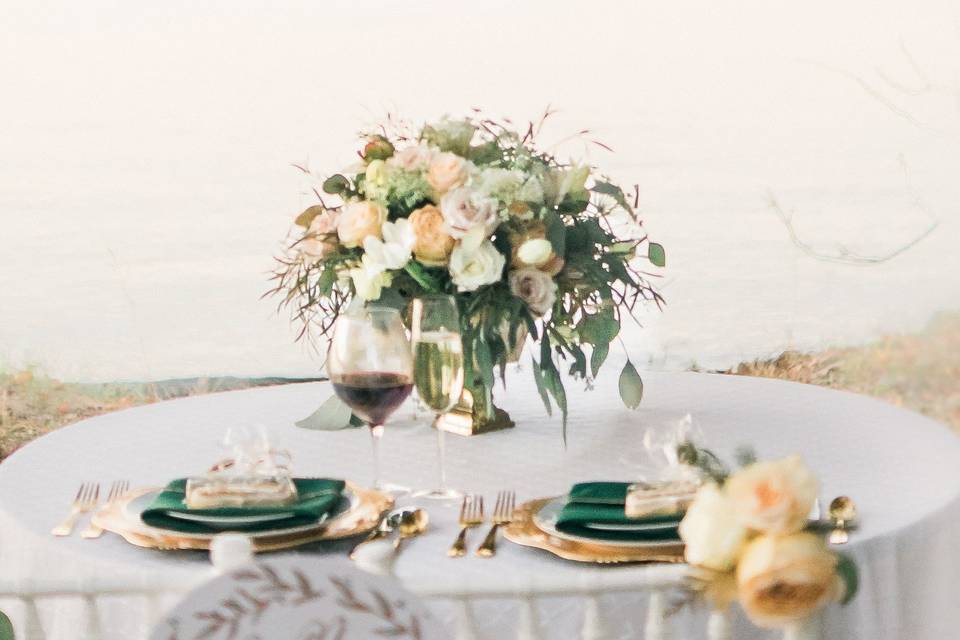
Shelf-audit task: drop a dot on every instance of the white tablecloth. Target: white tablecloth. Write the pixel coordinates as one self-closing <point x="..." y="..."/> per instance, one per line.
<point x="903" y="470"/>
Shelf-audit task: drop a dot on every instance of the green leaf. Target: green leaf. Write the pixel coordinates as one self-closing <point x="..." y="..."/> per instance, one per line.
<point x="847" y="570"/>
<point x="332" y="415"/>
<point x="305" y="218"/>
<point x="326" y="281"/>
<point x="598" y="357"/>
<point x="615" y="192"/>
<point x="336" y="184"/>
<point x="6" y="627"/>
<point x="631" y="386"/>
<point x="541" y="386"/>
<point x="484" y="361"/>
<point x="423" y="277"/>
<point x="556" y="233"/>
<point x="599" y="328"/>
<point x="657" y="254"/>
<point x="554" y="384"/>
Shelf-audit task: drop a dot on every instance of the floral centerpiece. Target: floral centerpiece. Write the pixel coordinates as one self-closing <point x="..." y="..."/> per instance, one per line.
<point x="528" y="245"/>
<point x="749" y="533"/>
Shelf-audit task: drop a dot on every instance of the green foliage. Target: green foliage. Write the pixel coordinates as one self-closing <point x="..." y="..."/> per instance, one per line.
<point x="631" y="386"/>
<point x="6" y="627"/>
<point x="705" y="460"/>
<point x="657" y="254"/>
<point x="305" y="218"/>
<point x="847" y="570"/>
<point x="336" y="185"/>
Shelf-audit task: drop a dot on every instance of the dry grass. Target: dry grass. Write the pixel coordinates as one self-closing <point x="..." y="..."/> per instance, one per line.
<point x="920" y="372"/>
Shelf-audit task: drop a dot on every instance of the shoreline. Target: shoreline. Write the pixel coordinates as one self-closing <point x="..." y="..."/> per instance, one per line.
<point x="918" y="371"/>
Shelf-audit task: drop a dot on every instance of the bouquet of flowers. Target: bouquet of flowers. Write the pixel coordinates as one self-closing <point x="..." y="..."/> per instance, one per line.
<point x="749" y="534"/>
<point x="527" y="244"/>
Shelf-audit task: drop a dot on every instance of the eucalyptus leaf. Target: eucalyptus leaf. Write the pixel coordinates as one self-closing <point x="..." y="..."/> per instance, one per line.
<point x="336" y="184"/>
<point x="541" y="385"/>
<point x="599" y="328"/>
<point x="556" y="233"/>
<point x="614" y="192"/>
<point x="598" y="357"/>
<point x="423" y="277"/>
<point x="657" y="254"/>
<point x="847" y="570"/>
<point x="305" y="218"/>
<point x="332" y="415"/>
<point x="631" y="386"/>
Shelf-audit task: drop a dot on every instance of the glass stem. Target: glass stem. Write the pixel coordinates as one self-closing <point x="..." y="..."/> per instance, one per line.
<point x="442" y="456"/>
<point x="376" y="433"/>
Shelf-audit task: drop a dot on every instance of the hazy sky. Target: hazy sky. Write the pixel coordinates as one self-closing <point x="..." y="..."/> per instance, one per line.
<point x="145" y="150"/>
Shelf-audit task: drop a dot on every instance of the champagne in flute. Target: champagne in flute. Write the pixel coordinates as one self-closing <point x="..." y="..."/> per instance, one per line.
<point x="438" y="368"/>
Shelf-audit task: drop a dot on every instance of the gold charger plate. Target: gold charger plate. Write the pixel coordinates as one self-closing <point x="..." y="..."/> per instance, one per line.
<point x="361" y="518"/>
<point x="524" y="531"/>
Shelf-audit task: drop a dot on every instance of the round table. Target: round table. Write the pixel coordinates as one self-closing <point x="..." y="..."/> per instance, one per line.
<point x="903" y="470"/>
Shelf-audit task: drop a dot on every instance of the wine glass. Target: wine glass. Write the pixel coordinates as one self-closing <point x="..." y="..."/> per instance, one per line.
<point x="371" y="368"/>
<point x="438" y="369"/>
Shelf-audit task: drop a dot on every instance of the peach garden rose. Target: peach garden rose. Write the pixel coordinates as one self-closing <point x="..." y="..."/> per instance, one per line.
<point x="447" y="171"/>
<point x="775" y="496"/>
<point x="433" y="243"/>
<point x="359" y="220"/>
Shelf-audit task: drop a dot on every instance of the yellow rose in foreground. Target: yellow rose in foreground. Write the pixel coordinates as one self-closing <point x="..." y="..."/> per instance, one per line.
<point x="359" y="220"/>
<point x="784" y="579"/>
<point x="434" y="244"/>
<point x="773" y="497"/>
<point x="710" y="530"/>
<point x="447" y="171"/>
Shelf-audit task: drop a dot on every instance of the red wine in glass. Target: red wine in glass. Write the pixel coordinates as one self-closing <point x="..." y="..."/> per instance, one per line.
<point x="373" y="396"/>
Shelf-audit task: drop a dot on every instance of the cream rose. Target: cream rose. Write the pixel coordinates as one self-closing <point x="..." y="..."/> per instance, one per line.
<point x="447" y="171"/>
<point x="535" y="288"/>
<point x="359" y="220"/>
<point x="433" y="243"/>
<point x="321" y="237"/>
<point x="535" y="252"/>
<point x="710" y="530"/>
<point x="472" y="265"/>
<point x="783" y="579"/>
<point x="464" y="210"/>
<point x="773" y="497"/>
<point x="413" y="158"/>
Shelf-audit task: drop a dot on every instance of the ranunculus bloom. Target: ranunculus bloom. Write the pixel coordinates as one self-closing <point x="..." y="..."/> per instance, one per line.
<point x="447" y="171"/>
<point x="551" y="265"/>
<point x="710" y="530"/>
<point x="463" y="210"/>
<point x="413" y="158"/>
<point x="784" y="579"/>
<point x="535" y="252"/>
<point x="359" y="220"/>
<point x="433" y="243"/>
<point x="321" y="237"/>
<point x="535" y="288"/>
<point x="775" y="496"/>
<point x="473" y="265"/>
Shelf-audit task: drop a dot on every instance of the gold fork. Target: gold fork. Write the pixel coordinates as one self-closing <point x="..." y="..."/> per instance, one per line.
<point x="471" y="515"/>
<point x="117" y="489"/>
<point x="502" y="514"/>
<point x="84" y="501"/>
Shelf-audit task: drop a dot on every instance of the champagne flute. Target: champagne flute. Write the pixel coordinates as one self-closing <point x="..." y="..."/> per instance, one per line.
<point x="438" y="370"/>
<point x="371" y="369"/>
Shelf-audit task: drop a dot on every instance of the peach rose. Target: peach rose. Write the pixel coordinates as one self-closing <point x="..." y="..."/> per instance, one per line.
<point x="321" y="237"/>
<point x="773" y="497"/>
<point x="447" y="171"/>
<point x="434" y="244"/>
<point x="359" y="220"/>
<point x="413" y="158"/>
<point x="784" y="579"/>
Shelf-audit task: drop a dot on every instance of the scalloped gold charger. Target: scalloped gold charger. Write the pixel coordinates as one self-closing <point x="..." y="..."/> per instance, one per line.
<point x="362" y="516"/>
<point x="524" y="531"/>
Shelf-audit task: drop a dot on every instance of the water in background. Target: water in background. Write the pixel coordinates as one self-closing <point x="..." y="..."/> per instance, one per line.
<point x="145" y="179"/>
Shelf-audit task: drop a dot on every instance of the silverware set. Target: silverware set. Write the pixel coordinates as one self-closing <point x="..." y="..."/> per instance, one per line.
<point x="86" y="501"/>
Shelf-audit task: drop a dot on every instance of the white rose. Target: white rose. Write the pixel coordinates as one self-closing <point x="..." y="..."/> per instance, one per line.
<point x="358" y="220"/>
<point x="535" y="252"/>
<point x="710" y="530"/>
<point x="464" y="210"/>
<point x="773" y="497"/>
<point x="472" y="266"/>
<point x="394" y="251"/>
<point x="535" y="288"/>
<point x="447" y="171"/>
<point x="414" y="158"/>
<point x="369" y="280"/>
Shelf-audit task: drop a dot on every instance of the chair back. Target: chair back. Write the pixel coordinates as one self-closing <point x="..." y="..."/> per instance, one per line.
<point x="299" y="597"/>
<point x="6" y="627"/>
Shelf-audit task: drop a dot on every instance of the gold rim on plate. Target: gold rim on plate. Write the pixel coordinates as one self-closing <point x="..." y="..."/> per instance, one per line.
<point x="524" y="531"/>
<point x="361" y="518"/>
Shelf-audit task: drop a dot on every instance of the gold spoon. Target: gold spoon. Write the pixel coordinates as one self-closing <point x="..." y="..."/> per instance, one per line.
<point x="842" y="512"/>
<point x="412" y="523"/>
